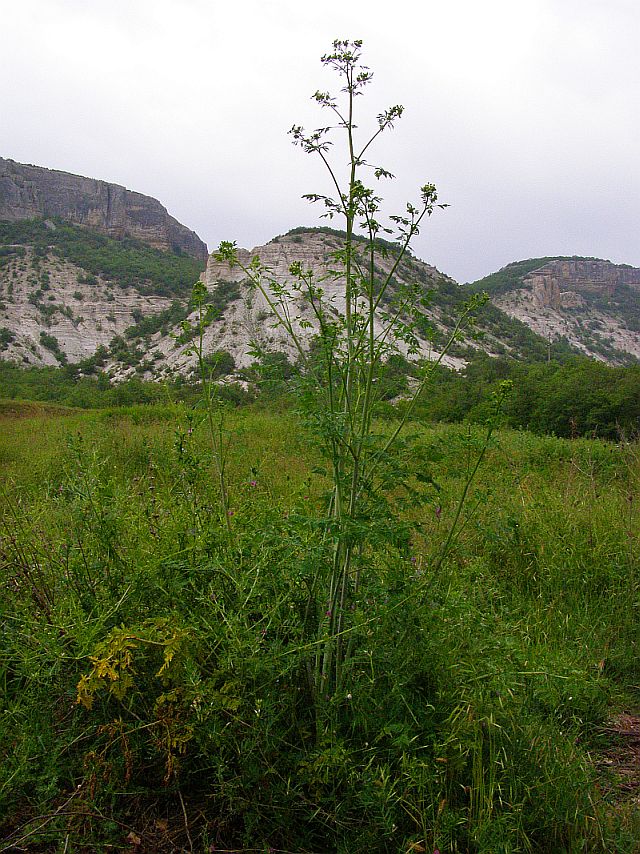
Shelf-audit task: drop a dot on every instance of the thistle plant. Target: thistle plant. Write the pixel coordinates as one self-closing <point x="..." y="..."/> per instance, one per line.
<point x="373" y="318"/>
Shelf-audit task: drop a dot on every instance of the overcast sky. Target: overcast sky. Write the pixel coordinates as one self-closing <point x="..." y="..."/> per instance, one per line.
<point x="524" y="113"/>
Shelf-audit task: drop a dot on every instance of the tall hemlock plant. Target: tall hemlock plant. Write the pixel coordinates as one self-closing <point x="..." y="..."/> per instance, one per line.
<point x="374" y="318"/>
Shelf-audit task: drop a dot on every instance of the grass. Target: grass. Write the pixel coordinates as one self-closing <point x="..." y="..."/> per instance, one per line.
<point x="476" y="697"/>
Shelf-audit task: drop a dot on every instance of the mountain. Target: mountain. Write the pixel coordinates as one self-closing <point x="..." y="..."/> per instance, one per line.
<point x="590" y="303"/>
<point x="66" y="291"/>
<point x="32" y="192"/>
<point x="71" y="294"/>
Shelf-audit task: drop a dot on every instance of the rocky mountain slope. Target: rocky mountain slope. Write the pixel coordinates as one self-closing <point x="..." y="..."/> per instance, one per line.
<point x="70" y="294"/>
<point x="30" y="192"/>
<point x="592" y="304"/>
<point x="248" y="319"/>
<point x="66" y="291"/>
<point x="53" y="311"/>
<point x="60" y="301"/>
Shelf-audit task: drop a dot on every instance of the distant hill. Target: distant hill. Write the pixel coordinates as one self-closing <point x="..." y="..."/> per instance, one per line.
<point x="590" y="303"/>
<point x="32" y="192"/>
<point x="68" y="293"/>
<point x="73" y="294"/>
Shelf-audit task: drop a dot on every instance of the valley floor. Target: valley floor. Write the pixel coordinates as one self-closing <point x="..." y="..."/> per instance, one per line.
<point x="154" y="655"/>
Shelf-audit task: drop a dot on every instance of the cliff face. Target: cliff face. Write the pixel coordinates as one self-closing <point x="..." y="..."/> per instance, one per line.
<point x="568" y="283"/>
<point x="45" y="300"/>
<point x="27" y="192"/>
<point x="592" y="303"/>
<point x="249" y="321"/>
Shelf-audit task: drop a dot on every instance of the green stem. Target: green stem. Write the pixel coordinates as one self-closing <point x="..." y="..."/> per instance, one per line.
<point x="215" y="432"/>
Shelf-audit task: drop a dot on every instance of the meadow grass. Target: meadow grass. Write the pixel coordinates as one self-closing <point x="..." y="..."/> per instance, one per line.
<point x="155" y="672"/>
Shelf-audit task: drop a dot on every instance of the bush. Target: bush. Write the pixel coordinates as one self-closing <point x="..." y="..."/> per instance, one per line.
<point x="6" y="337"/>
<point x="51" y="343"/>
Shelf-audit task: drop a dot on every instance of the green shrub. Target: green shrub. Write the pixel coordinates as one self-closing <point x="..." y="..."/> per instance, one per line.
<point x="51" y="343"/>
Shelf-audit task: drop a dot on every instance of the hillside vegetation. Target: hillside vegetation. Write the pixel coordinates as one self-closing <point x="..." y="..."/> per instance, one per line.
<point x="126" y="262"/>
<point x="578" y="397"/>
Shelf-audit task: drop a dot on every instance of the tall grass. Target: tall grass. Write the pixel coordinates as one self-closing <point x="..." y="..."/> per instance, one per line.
<point x="470" y="712"/>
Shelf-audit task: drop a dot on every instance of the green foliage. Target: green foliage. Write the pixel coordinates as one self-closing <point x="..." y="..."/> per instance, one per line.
<point x="85" y="386"/>
<point x="6" y="337"/>
<point x="340" y="388"/>
<point x="125" y="352"/>
<point x="87" y="279"/>
<point x="273" y="375"/>
<point x="148" y="668"/>
<point x="341" y="234"/>
<point x="10" y="253"/>
<point x="162" y="321"/>
<point x="128" y="262"/>
<point x="216" y="302"/>
<point x="218" y="364"/>
<point x="51" y="343"/>
<point x="581" y="397"/>
<point x="623" y="301"/>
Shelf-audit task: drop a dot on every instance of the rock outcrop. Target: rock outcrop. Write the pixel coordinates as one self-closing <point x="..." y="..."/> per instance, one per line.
<point x="564" y="284"/>
<point x="593" y="304"/>
<point x="249" y="321"/>
<point x="27" y="192"/>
